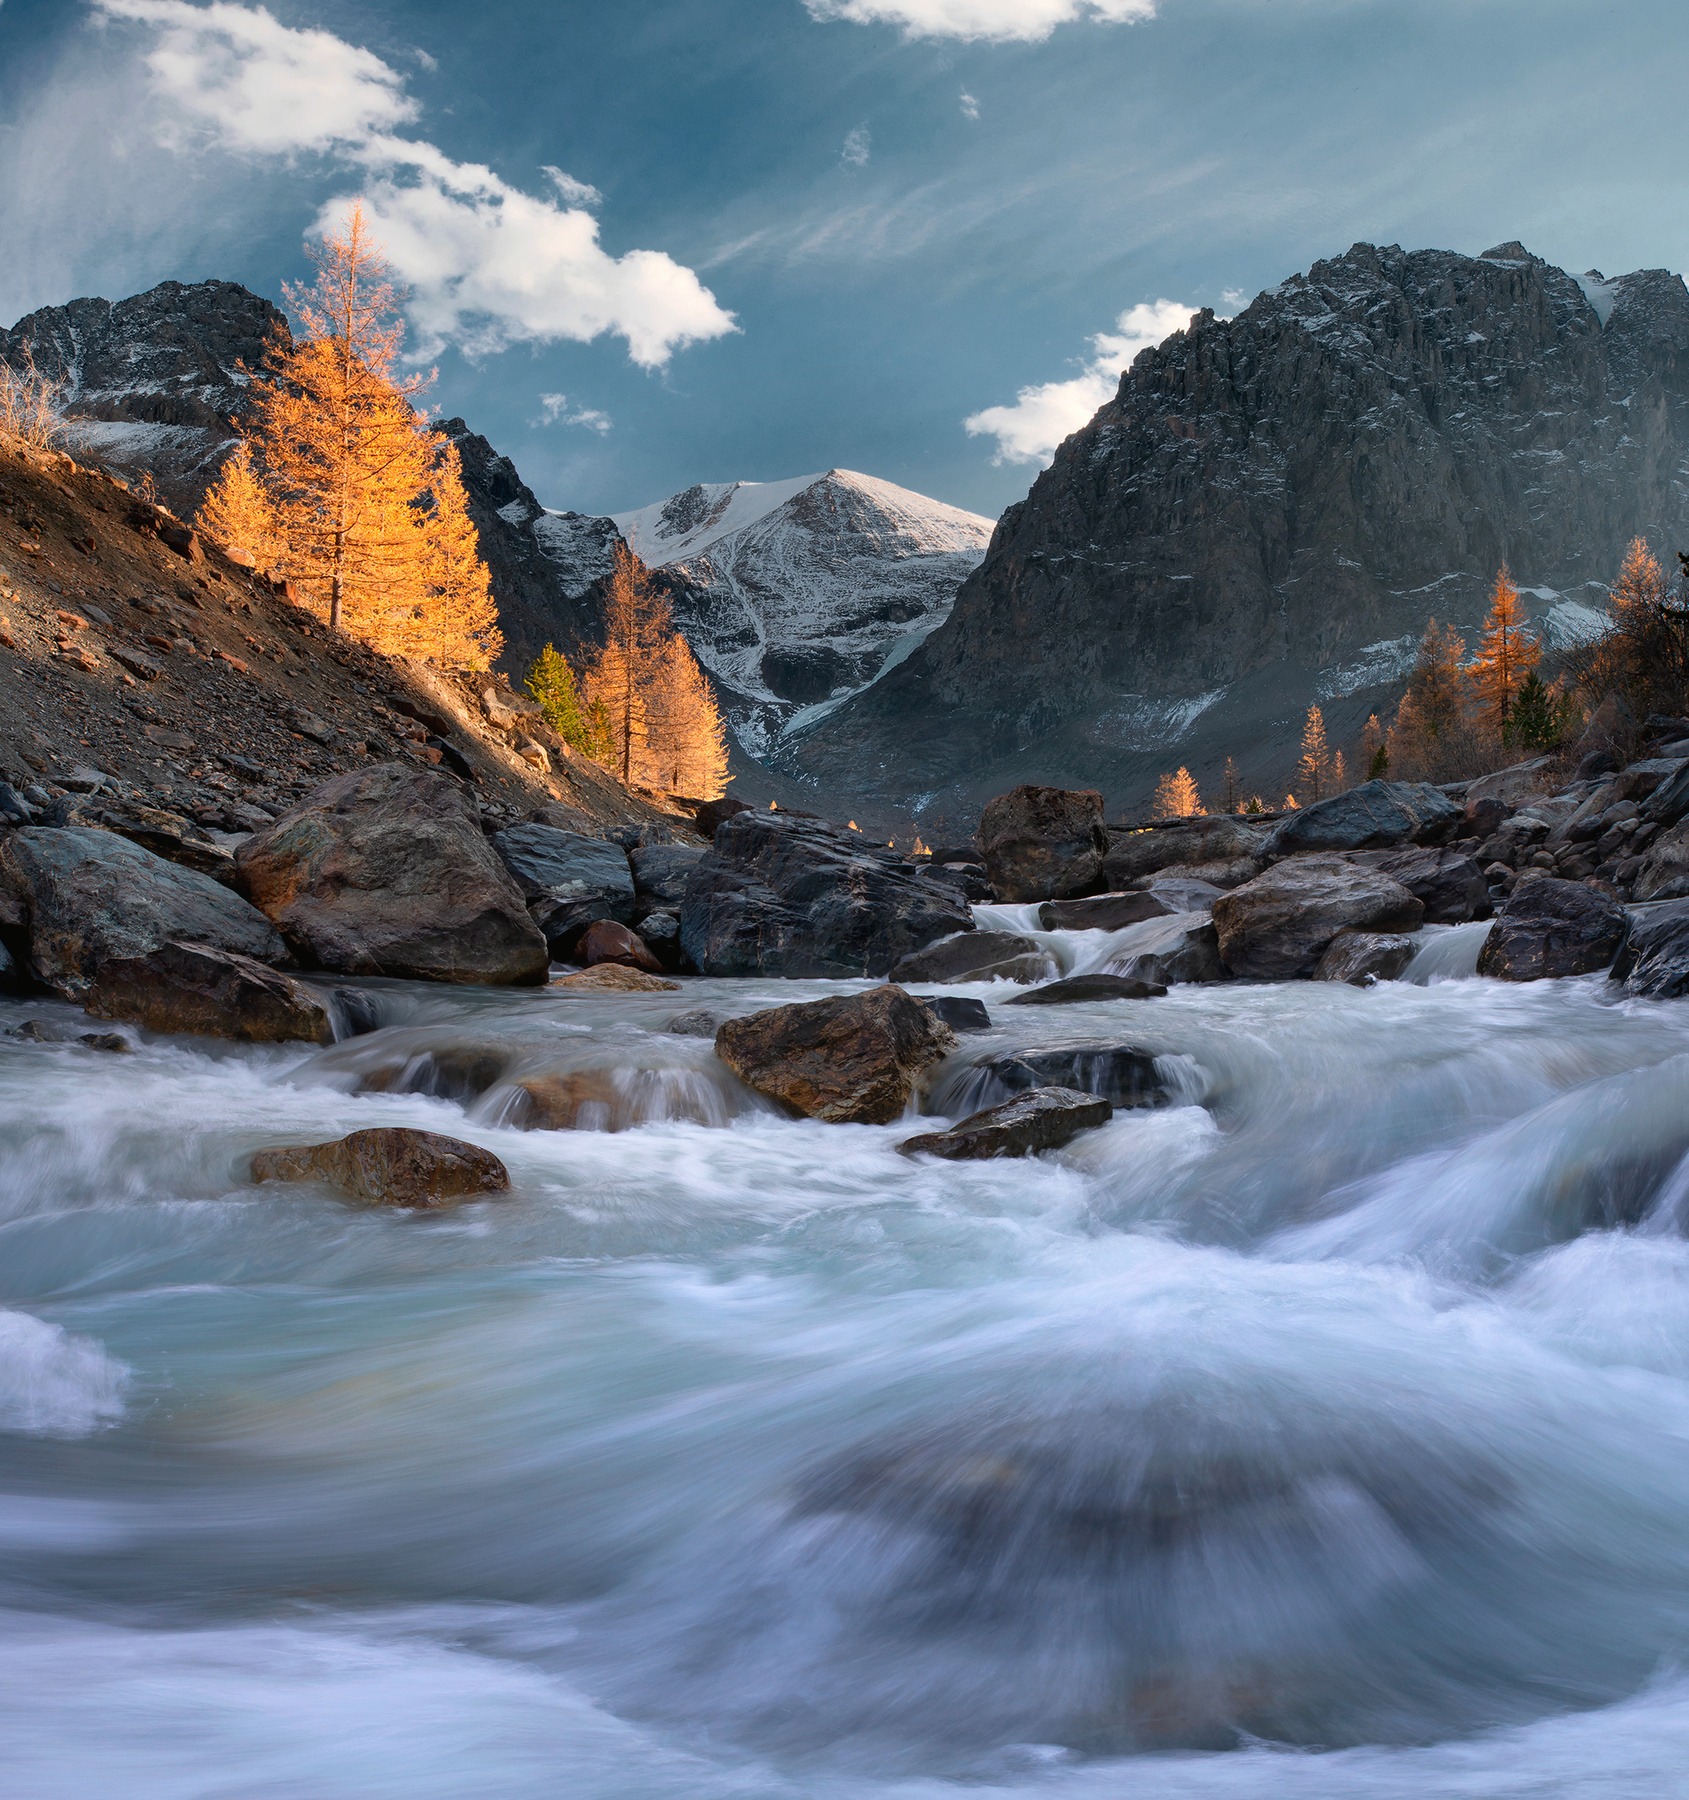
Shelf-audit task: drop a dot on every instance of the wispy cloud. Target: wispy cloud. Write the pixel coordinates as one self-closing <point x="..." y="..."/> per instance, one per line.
<point x="970" y="106"/>
<point x="554" y="409"/>
<point x="488" y="264"/>
<point x="994" y="21"/>
<point x="1042" y="416"/>
<point x="858" y="147"/>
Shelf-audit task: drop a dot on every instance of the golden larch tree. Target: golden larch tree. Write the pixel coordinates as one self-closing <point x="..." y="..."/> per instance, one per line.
<point x="457" y="616"/>
<point x="236" y="511"/>
<point x="686" y="743"/>
<point x="1176" y="796"/>
<point x="622" y="679"/>
<point x="1507" y="652"/>
<point x="1313" y="769"/>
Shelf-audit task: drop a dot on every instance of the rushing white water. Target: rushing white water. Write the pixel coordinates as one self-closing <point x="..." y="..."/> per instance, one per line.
<point x="1322" y="1433"/>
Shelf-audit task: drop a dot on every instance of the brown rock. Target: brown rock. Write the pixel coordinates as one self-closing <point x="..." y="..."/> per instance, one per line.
<point x="393" y="1166"/>
<point x="614" y="978"/>
<point x="607" y="942"/>
<point x="1041" y="1119"/>
<point x="1101" y="912"/>
<point x="1043" y="843"/>
<point x="851" y="1060"/>
<point x="208" y="993"/>
<point x="1363" y="957"/>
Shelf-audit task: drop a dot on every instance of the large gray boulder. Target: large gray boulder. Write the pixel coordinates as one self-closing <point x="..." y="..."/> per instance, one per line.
<point x="1041" y="1119"/>
<point x="1548" y="928"/>
<point x="784" y="894"/>
<point x="976" y="956"/>
<point x="1278" y="926"/>
<point x="385" y="871"/>
<point x="1221" y="842"/>
<point x="1447" y="883"/>
<point x="568" y="880"/>
<point x="1043" y="843"/>
<point x="1664" y="874"/>
<point x="1653" y="962"/>
<point x="1182" y="947"/>
<point x="85" y="897"/>
<point x="1377" y="815"/>
<point x="1122" y="1074"/>
<point x="660" y="873"/>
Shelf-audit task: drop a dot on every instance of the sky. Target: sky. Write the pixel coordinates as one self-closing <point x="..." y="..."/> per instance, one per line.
<point x="667" y="241"/>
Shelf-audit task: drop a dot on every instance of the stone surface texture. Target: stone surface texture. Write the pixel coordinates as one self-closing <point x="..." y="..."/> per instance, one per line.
<point x="1548" y="928"/>
<point x="1043" y="843"/>
<point x="1278" y="926"/>
<point x="1364" y="957"/>
<point x="391" y="1166"/>
<point x="1042" y="1119"/>
<point x="202" y="992"/>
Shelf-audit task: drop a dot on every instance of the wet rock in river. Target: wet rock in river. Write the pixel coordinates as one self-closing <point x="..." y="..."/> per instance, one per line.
<point x="385" y="871"/>
<point x="1654" y="959"/>
<point x="458" y="1072"/>
<point x="700" y="1022"/>
<point x="855" y="1059"/>
<point x="1075" y="988"/>
<point x="568" y="880"/>
<point x="604" y="941"/>
<point x="787" y="895"/>
<point x="88" y="897"/>
<point x="1136" y="856"/>
<point x="958" y="1012"/>
<point x="1374" y="816"/>
<point x="1043" y="1118"/>
<point x="616" y="978"/>
<point x="975" y="956"/>
<point x="1278" y="926"/>
<point x="1043" y="843"/>
<point x="1122" y="1074"/>
<point x="391" y="1166"/>
<point x="1549" y="928"/>
<point x="1364" y="957"/>
<point x="1447" y="883"/>
<point x="202" y="992"/>
<point x="1102" y="912"/>
<point x="1182" y="947"/>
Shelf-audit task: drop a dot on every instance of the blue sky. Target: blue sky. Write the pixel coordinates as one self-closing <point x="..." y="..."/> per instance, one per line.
<point x="755" y="238"/>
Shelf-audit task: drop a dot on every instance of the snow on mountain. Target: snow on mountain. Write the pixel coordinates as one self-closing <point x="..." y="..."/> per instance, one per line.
<point x="796" y="594"/>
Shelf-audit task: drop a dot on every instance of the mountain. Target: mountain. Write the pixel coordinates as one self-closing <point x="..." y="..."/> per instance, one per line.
<point x="155" y="380"/>
<point x="793" y="594"/>
<point x="1268" y="511"/>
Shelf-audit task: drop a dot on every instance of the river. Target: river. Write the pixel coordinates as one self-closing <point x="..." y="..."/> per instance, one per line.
<point x="1322" y="1433"/>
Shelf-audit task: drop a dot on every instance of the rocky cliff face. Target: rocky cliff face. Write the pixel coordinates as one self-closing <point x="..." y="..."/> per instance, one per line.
<point x="1272" y="506"/>
<point x="154" y="380"/>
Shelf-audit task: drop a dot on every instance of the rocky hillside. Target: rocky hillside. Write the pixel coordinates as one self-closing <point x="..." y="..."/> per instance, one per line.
<point x="139" y="662"/>
<point x="793" y="594"/>
<point x="1268" y="511"/>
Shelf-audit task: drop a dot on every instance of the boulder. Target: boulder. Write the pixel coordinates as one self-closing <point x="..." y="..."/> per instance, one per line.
<point x="660" y="873"/>
<point x="1181" y="947"/>
<point x="1184" y="895"/>
<point x="1447" y="883"/>
<point x="969" y="878"/>
<point x="1043" y="1119"/>
<point x="88" y="897"/>
<point x="385" y="871"/>
<point x="202" y="992"/>
<point x="971" y="956"/>
<point x="957" y="1011"/>
<point x="164" y="833"/>
<point x="1101" y="912"/>
<point x="604" y="941"/>
<point x="1224" y="839"/>
<point x="1043" y="843"/>
<point x="578" y="1100"/>
<point x="1075" y="988"/>
<point x="391" y="1166"/>
<point x="855" y="1059"/>
<point x="1664" y="874"/>
<point x="1516" y="786"/>
<point x="616" y="978"/>
<point x="782" y="894"/>
<point x="1484" y="817"/>
<point x="1218" y="875"/>
<point x="1278" y="926"/>
<point x="1119" y="1073"/>
<point x="1547" y="928"/>
<point x="700" y="1022"/>
<point x="569" y="881"/>
<point x="659" y="932"/>
<point x="1653" y="962"/>
<point x="1364" y="957"/>
<point x="1377" y="815"/>
<point x="1670" y="800"/>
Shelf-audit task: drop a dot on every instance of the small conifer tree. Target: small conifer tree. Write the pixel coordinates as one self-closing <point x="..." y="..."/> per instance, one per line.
<point x="236" y="511"/>
<point x="1232" y="802"/>
<point x="1176" y="796"/>
<point x="551" y="682"/>
<point x="1313" y="771"/>
<point x="1507" y="652"/>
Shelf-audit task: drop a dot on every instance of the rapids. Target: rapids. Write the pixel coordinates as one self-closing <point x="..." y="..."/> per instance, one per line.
<point x="1319" y="1434"/>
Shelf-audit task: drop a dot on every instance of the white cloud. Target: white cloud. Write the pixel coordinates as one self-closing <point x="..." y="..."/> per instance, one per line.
<point x="970" y="106"/>
<point x="1043" y="416"/>
<point x="555" y="407"/>
<point x="996" y="21"/>
<point x="488" y="264"/>
<point x="858" y="146"/>
<point x="429" y="63"/>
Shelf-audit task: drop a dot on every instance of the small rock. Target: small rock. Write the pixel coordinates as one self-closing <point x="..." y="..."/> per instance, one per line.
<point x="1122" y="1074"/>
<point x="700" y="1022"/>
<point x="137" y="662"/>
<point x="607" y="942"/>
<point x="200" y="992"/>
<point x="1043" y="843"/>
<point x="1362" y="958"/>
<point x="110" y="1041"/>
<point x="971" y="956"/>
<point x="356" y="1014"/>
<point x="1185" y="895"/>
<point x="14" y="809"/>
<point x="1101" y="912"/>
<point x="1549" y="928"/>
<point x="1075" y="988"/>
<point x="393" y="1166"/>
<point x="660" y="933"/>
<point x="957" y="1011"/>
<point x="854" y="1059"/>
<point x="1043" y="1119"/>
<point x="614" y="978"/>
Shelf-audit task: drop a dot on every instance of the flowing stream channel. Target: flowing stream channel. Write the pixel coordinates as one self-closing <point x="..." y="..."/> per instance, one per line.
<point x="1321" y="1432"/>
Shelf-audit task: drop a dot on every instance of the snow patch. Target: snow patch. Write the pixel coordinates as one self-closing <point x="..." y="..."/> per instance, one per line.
<point x="580" y="545"/>
<point x="1146" y="724"/>
<point x="1373" y="666"/>
<point x="516" y="513"/>
<point x="1574" y="622"/>
<point x="1599" y="292"/>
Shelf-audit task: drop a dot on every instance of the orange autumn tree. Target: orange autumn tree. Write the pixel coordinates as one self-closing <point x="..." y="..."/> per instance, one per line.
<point x="1507" y="652"/>
<point x="1313" y="770"/>
<point x="456" y="617"/>
<point x="1176" y="796"/>
<point x="236" y="511"/>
